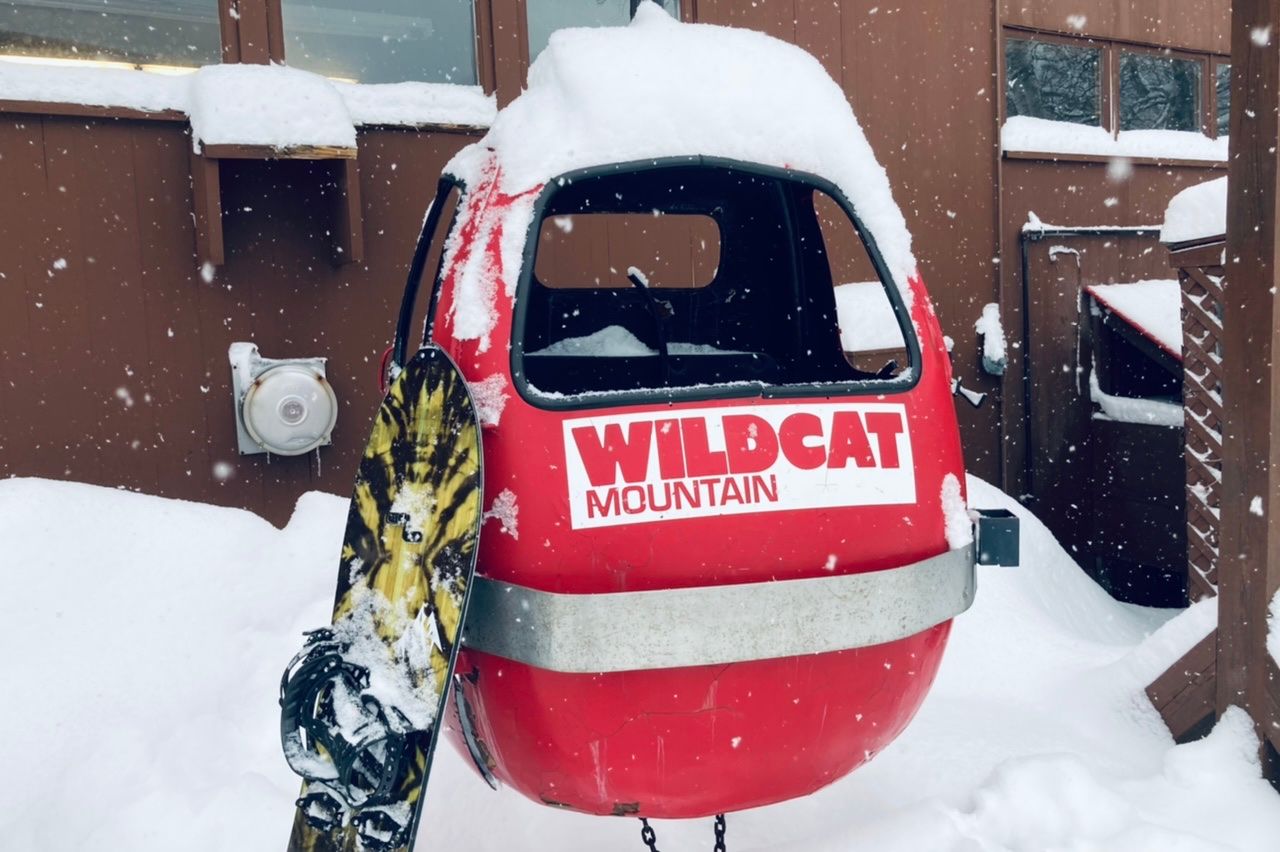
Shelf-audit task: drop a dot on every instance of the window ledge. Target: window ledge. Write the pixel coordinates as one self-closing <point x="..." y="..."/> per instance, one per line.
<point x="1038" y="139"/>
<point x="1061" y="157"/>
<point x="123" y="93"/>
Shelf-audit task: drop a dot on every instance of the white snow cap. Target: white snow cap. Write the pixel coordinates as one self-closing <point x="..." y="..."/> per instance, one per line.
<point x="1197" y="213"/>
<point x="267" y="105"/>
<point x="660" y="88"/>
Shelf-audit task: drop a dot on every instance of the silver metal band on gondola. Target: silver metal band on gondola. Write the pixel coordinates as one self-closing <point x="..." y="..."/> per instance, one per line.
<point x="711" y="625"/>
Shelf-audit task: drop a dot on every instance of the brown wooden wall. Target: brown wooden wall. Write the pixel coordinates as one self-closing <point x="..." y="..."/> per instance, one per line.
<point x="1070" y="194"/>
<point x="112" y="198"/>
<point x="113" y="365"/>
<point x="1196" y="25"/>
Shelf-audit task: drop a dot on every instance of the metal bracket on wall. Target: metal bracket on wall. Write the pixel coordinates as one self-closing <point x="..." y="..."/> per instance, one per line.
<point x="206" y="195"/>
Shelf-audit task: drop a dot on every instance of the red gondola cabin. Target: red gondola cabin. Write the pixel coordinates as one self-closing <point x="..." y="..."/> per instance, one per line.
<point x="726" y="531"/>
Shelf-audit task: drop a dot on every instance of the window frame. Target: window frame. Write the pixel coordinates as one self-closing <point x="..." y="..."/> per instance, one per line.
<point x="1215" y="61"/>
<point x="1105" y="60"/>
<point x="591" y="400"/>
<point x="252" y="33"/>
<point x="1110" y="69"/>
<point x="1201" y="59"/>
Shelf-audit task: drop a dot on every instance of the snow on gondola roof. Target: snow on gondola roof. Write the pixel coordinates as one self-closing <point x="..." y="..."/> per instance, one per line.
<point x="659" y="88"/>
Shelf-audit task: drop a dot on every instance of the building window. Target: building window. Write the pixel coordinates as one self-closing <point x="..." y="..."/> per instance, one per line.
<point x="1159" y="92"/>
<point x="385" y="42"/>
<point x="1222" y="95"/>
<point x="154" y="34"/>
<point x="547" y="16"/>
<point x="1054" y="80"/>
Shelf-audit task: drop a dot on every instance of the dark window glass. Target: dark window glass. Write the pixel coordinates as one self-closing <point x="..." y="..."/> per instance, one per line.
<point x="547" y="16"/>
<point x="384" y="42"/>
<point x="1159" y="92"/>
<point x="1060" y="82"/>
<point x="1222" y="85"/>
<point x="746" y="280"/>
<point x="180" y="33"/>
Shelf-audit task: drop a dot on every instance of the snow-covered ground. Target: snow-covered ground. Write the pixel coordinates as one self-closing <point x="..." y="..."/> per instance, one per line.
<point x="143" y="641"/>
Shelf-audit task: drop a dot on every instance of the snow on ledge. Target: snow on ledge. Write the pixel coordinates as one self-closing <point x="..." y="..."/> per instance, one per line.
<point x="268" y="105"/>
<point x="1153" y="307"/>
<point x="1197" y="213"/>
<point x="1037" y="135"/>
<point x="254" y="104"/>
<point x="418" y="104"/>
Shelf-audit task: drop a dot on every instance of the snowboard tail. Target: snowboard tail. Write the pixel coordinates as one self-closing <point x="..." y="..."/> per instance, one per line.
<point x="363" y="701"/>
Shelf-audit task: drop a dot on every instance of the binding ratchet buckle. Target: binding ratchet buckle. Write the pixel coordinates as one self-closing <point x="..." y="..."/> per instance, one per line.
<point x="345" y="743"/>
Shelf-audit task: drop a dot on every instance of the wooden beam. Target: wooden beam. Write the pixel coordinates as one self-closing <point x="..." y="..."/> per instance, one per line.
<point x="510" y="48"/>
<point x="206" y="204"/>
<point x="275" y="30"/>
<point x="255" y="32"/>
<point x="268" y="152"/>
<point x="1051" y="157"/>
<point x="1184" y="694"/>
<point x="1249" y="566"/>
<point x="229" y="21"/>
<point x="348" y="232"/>
<point x="486" y="72"/>
<point x="1197" y="253"/>
<point x="90" y="110"/>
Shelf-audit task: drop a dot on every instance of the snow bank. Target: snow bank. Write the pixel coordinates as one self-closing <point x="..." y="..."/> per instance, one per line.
<point x="254" y="104"/>
<point x="1198" y="212"/>
<point x="659" y="88"/>
<point x="146" y="637"/>
<point x="1038" y="135"/>
<point x="149" y="637"/>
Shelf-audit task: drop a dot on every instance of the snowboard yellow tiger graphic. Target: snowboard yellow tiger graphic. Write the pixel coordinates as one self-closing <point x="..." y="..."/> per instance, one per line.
<point x="407" y="558"/>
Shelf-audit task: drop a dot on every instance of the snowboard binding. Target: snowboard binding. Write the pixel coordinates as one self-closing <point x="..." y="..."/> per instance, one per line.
<point x="377" y="829"/>
<point x="349" y="746"/>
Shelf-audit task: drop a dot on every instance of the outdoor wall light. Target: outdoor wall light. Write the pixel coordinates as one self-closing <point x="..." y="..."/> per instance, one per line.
<point x="283" y="406"/>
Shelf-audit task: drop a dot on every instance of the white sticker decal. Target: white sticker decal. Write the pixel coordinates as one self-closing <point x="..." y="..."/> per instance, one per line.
<point x="639" y="468"/>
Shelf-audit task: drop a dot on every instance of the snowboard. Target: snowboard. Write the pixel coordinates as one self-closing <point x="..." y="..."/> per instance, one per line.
<point x="362" y="703"/>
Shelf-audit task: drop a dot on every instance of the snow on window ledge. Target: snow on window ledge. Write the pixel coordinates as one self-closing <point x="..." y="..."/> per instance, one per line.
<point x="282" y="97"/>
<point x="1023" y="134"/>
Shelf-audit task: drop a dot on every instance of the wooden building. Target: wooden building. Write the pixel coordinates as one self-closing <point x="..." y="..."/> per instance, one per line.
<point x="128" y="264"/>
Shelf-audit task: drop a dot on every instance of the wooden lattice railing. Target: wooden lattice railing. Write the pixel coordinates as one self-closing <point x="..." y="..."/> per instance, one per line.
<point x="1201" y="275"/>
<point x="1184" y="694"/>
